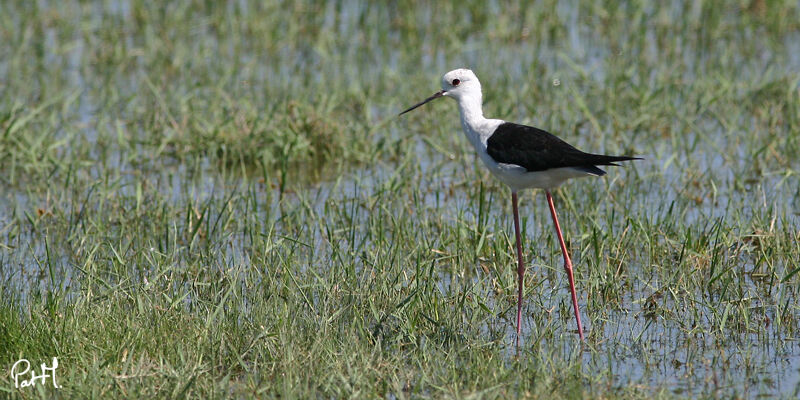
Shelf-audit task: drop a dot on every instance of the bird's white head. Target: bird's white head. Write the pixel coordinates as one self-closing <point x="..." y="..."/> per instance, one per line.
<point x="460" y="84"/>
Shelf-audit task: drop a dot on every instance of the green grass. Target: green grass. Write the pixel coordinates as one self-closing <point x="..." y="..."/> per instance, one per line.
<point x="211" y="201"/>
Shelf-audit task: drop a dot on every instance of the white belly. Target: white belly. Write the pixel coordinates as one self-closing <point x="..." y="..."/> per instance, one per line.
<point x="519" y="178"/>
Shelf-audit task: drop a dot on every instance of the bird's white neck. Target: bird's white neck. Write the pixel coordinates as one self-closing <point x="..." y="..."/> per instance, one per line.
<point x="471" y="109"/>
<point x="476" y="127"/>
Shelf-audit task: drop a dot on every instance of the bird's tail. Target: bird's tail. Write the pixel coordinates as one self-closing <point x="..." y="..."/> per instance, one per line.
<point x="600" y="159"/>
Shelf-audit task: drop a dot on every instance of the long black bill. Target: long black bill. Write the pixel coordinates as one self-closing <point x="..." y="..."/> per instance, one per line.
<point x="434" y="97"/>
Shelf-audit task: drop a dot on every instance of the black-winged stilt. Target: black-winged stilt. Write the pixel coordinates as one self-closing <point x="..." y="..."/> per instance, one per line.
<point x="522" y="157"/>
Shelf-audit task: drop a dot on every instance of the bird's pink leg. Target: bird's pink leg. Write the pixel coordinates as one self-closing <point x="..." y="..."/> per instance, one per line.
<point x="520" y="268"/>
<point x="567" y="263"/>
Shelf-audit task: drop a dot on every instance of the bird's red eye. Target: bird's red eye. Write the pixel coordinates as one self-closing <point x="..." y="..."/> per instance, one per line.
<point x="456" y="82"/>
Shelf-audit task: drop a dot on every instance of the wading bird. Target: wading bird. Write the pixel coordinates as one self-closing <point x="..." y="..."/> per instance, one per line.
<point x="521" y="157"/>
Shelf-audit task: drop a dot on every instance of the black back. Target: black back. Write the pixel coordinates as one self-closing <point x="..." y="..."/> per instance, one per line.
<point x="538" y="150"/>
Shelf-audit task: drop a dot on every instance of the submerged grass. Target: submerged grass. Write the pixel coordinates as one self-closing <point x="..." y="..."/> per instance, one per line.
<point x="207" y="201"/>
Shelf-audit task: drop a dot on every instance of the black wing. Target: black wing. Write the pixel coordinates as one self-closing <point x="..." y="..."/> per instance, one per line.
<point x="538" y="150"/>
